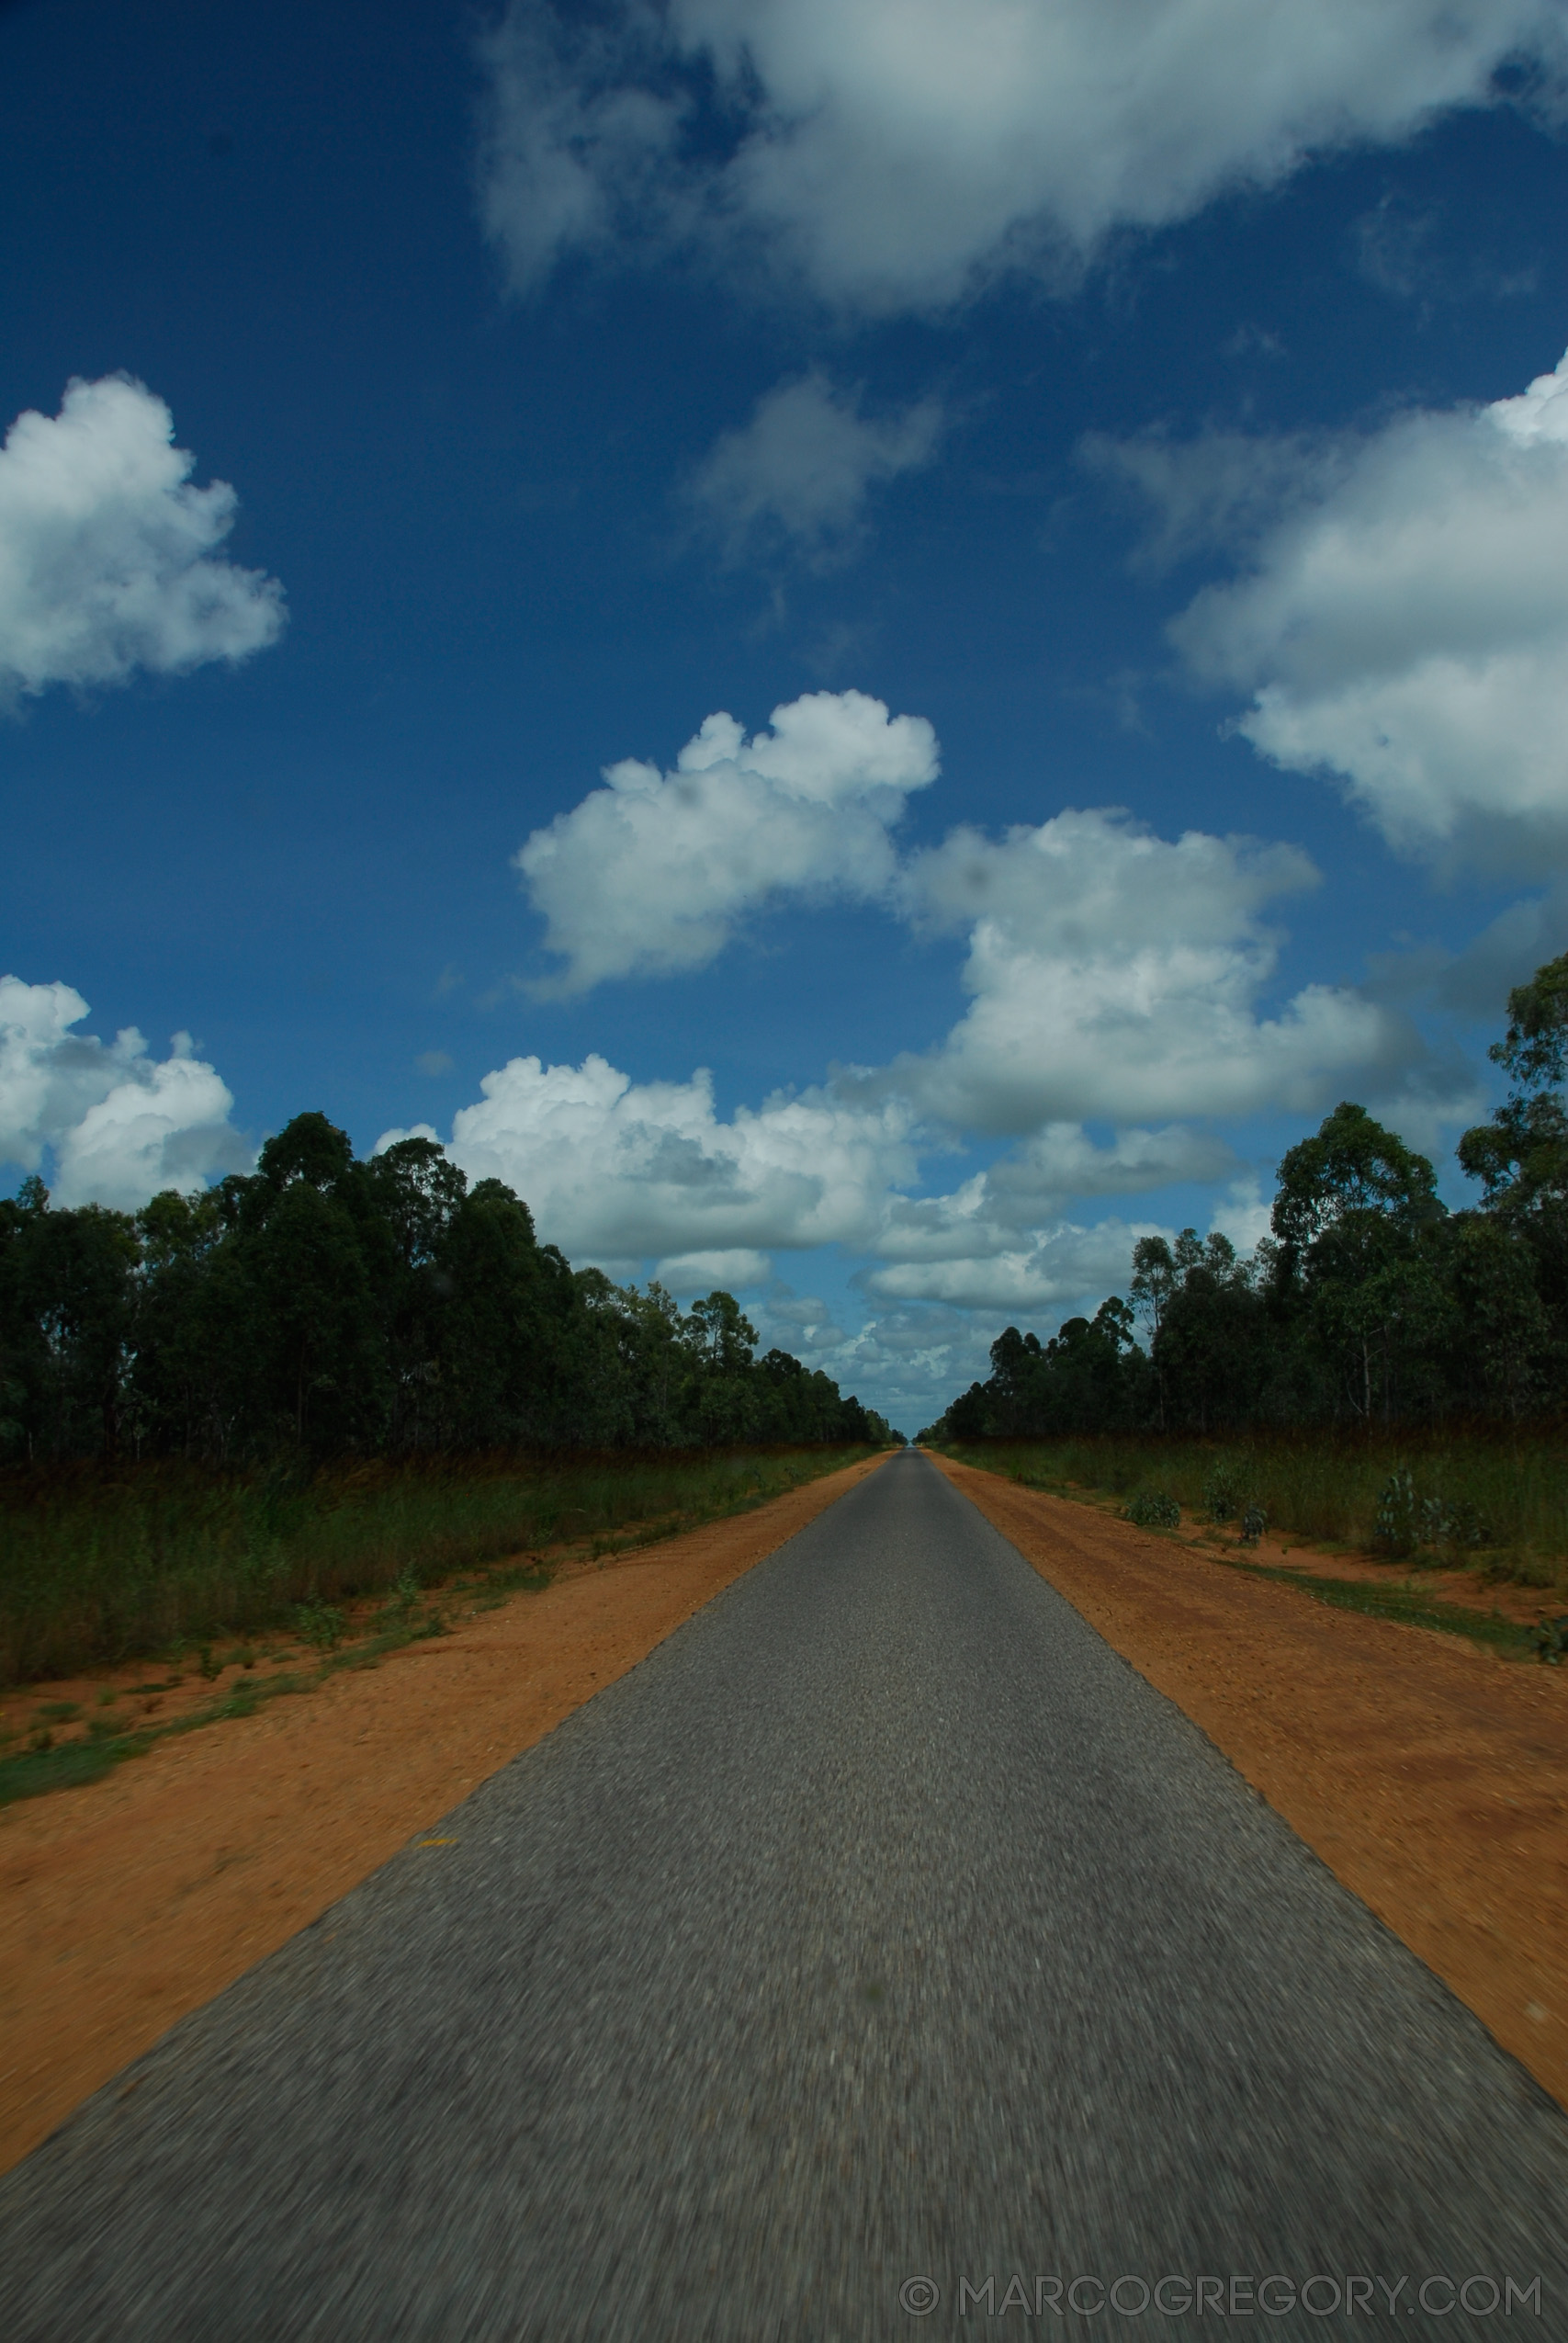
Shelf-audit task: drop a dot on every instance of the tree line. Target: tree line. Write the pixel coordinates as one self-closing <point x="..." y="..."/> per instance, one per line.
<point x="328" y="1307"/>
<point x="1370" y="1302"/>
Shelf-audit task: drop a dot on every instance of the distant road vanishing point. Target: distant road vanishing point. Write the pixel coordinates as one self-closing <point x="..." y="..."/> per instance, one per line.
<point x="881" y="1957"/>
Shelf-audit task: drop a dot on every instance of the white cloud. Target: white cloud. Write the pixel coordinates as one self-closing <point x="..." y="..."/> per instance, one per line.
<point x="1117" y="975"/>
<point x="892" y="156"/>
<point x="1120" y="1008"/>
<point x="1058" y="1265"/>
<point x="107" y="550"/>
<point x="1403" y="621"/>
<point x="575" y="138"/>
<point x="802" y="1322"/>
<point x="120" y="1124"/>
<point x="701" y="1272"/>
<point x="996" y="1211"/>
<point x="1117" y="978"/>
<point x="801" y="468"/>
<point x="907" y="1359"/>
<point x="650" y="875"/>
<point x="1246" y="1214"/>
<point x="621" y="1171"/>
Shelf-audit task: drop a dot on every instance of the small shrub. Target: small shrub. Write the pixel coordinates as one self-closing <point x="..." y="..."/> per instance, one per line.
<point x="1551" y="1640"/>
<point x="1407" y="1522"/>
<point x="1452" y="1527"/>
<point x="1509" y="1566"/>
<point x="1222" y="1493"/>
<point x="1151" y="1509"/>
<point x="321" y="1625"/>
<point x="1254" y="1522"/>
<point x="208" y="1667"/>
<point x="1398" y="1530"/>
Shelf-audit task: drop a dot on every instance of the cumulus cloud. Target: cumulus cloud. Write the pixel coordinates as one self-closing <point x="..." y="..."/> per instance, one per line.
<point x="800" y="469"/>
<point x="1402" y="619"/>
<point x="996" y="1210"/>
<point x="1117" y="975"/>
<point x="891" y="158"/>
<point x="650" y="875"/>
<point x="109" y="553"/>
<point x="907" y="1359"/>
<point x="701" y="1272"/>
<point x="120" y="1124"/>
<point x="1058" y="1265"/>
<point x="1124" y="1003"/>
<point x="617" y="1171"/>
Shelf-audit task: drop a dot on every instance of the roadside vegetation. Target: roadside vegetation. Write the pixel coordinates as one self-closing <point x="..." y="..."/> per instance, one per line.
<point x="237" y="1592"/>
<point x="1442" y="1499"/>
<point x="241" y="1408"/>
<point x="164" y="1559"/>
<point x="1383" y="1372"/>
<point x="323" y="1307"/>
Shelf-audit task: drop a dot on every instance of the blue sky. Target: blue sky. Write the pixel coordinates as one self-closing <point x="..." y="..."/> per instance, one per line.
<point x="1104" y="431"/>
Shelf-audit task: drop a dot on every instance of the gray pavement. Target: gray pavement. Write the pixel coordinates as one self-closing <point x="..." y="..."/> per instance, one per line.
<point x="881" y="1927"/>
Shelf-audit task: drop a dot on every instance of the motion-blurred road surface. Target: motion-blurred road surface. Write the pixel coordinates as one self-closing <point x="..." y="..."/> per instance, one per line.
<point x="881" y="1935"/>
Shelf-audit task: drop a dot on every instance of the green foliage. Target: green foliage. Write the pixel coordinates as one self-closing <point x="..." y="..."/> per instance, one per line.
<point x="1460" y="1495"/>
<point x="97" y="1566"/>
<point x="1410" y="1609"/>
<point x="68" y="1768"/>
<point x="1549" y="1641"/>
<point x="1153" y="1509"/>
<point x="325" y="1306"/>
<point x="318" y="1624"/>
<point x="1534" y="1051"/>
<point x="1225" y="1489"/>
<point x="1398" y="1529"/>
<point x="1368" y="1305"/>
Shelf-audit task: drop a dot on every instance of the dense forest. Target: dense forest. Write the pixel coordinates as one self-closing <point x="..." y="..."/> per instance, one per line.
<point x="326" y="1307"/>
<point x="1370" y="1302"/>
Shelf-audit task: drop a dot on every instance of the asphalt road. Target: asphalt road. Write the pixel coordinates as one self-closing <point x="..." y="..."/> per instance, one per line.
<point x="883" y="1926"/>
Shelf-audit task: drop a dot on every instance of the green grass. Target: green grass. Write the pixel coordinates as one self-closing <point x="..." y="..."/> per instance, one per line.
<point x="1409" y="1608"/>
<point x="38" y="1771"/>
<point x="33" y="1773"/>
<point x="1326" y="1492"/>
<point x="163" y="1560"/>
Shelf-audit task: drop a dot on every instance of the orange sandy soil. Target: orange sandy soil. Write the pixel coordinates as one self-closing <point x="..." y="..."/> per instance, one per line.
<point x="134" y="1899"/>
<point x="1467" y="1589"/>
<point x="1428" y="1775"/>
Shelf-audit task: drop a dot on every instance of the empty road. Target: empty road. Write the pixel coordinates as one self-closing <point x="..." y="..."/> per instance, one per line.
<point x="881" y="1931"/>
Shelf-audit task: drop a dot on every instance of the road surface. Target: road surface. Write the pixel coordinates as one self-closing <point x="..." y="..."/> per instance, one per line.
<point x="881" y="1935"/>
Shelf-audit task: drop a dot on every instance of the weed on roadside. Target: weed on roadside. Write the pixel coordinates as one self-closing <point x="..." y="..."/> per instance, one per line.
<point x="1405" y="1607"/>
<point x="1549" y="1641"/>
<point x="33" y="1773"/>
<point x="166" y="1557"/>
<point x="318" y="1624"/>
<point x="1467" y="1497"/>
